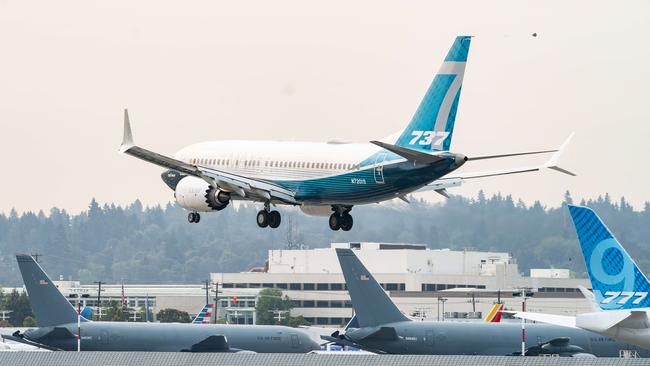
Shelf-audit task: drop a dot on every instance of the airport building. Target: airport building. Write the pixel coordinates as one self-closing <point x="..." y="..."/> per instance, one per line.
<point x="424" y="283"/>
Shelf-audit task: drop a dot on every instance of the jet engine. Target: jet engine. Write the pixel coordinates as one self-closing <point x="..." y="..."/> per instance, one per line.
<point x="195" y="194"/>
<point x="316" y="210"/>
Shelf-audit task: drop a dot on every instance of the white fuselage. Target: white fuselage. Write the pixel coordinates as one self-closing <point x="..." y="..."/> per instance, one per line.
<point x="619" y="324"/>
<point x="277" y="160"/>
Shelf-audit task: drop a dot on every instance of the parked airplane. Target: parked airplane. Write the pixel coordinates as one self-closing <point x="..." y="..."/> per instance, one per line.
<point x="57" y="321"/>
<point x="328" y="179"/>
<point x="205" y="315"/>
<point x="382" y="328"/>
<point x="620" y="303"/>
<point x="494" y="315"/>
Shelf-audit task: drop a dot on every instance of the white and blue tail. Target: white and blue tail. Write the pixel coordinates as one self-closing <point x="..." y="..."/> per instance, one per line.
<point x="205" y="315"/>
<point x="432" y="126"/>
<point x="617" y="281"/>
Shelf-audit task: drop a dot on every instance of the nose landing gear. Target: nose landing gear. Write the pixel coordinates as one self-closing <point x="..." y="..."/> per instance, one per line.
<point x="193" y="217"/>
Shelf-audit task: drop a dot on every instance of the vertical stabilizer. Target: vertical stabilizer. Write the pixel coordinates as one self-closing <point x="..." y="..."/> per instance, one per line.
<point x="494" y="316"/>
<point x="371" y="304"/>
<point x="205" y="315"/>
<point x="48" y="304"/>
<point x="432" y="126"/>
<point x="617" y="281"/>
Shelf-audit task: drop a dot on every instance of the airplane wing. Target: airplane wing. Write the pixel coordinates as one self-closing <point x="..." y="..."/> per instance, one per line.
<point x="561" y="320"/>
<point x="245" y="187"/>
<point x="456" y="180"/>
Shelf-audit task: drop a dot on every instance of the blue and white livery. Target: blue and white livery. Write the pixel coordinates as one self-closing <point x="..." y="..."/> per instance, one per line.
<point x="617" y="281"/>
<point x="205" y="315"/>
<point x="328" y="179"/>
<point x="620" y="304"/>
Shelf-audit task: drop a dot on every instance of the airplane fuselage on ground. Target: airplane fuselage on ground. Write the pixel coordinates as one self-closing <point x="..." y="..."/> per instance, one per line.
<point x="172" y="337"/>
<point x="497" y="339"/>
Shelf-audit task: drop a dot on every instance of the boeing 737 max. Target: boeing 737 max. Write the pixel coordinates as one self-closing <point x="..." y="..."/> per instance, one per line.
<point x="330" y="178"/>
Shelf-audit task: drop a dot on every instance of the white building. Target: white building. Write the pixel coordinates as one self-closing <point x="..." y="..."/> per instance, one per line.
<point x="413" y="275"/>
<point x="422" y="282"/>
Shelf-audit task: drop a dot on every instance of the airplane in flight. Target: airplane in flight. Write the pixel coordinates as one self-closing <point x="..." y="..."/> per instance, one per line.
<point x="57" y="328"/>
<point x="619" y="302"/>
<point x="328" y="179"/>
<point x="382" y="328"/>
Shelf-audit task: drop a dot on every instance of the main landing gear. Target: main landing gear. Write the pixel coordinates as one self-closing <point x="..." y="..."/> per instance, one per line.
<point x="193" y="217"/>
<point x="269" y="218"/>
<point x="341" y="219"/>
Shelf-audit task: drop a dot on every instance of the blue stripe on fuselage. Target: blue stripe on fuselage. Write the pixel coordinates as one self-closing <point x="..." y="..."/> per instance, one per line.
<point x="358" y="187"/>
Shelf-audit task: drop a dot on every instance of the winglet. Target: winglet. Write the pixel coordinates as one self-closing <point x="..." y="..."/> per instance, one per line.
<point x="590" y="297"/>
<point x="127" y="139"/>
<point x="552" y="162"/>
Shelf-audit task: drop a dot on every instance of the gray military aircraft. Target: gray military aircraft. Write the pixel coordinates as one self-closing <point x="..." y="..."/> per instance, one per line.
<point x="380" y="327"/>
<point x="57" y="321"/>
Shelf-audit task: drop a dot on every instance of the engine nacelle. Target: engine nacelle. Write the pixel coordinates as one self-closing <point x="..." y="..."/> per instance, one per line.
<point x="195" y="194"/>
<point x="316" y="210"/>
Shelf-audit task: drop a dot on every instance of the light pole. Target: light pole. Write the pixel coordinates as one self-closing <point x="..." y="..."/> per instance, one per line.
<point x="216" y="301"/>
<point x="442" y="300"/>
<point x="525" y="294"/>
<point x="99" y="299"/>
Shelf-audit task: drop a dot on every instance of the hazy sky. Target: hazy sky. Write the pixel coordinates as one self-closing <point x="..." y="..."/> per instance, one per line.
<point x="302" y="70"/>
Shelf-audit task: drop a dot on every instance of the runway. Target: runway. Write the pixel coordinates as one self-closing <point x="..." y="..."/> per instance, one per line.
<point x="234" y="359"/>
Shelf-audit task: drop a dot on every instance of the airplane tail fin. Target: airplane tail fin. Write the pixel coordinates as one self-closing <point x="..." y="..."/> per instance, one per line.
<point x="371" y="304"/>
<point x="48" y="304"/>
<point x="494" y="316"/>
<point x="617" y="281"/>
<point x="205" y="315"/>
<point x="432" y="126"/>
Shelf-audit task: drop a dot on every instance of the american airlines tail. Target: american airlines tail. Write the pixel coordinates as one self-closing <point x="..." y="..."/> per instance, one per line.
<point x="371" y="304"/>
<point x="432" y="126"/>
<point x="48" y="304"/>
<point x="617" y="281"/>
<point x="205" y="315"/>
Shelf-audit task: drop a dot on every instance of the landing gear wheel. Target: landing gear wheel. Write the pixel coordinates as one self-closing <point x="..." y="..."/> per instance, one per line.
<point x="346" y="222"/>
<point x="193" y="217"/>
<point x="274" y="219"/>
<point x="263" y="218"/>
<point x="335" y="221"/>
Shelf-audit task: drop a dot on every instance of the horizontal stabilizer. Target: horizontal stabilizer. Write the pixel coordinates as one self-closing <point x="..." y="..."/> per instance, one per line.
<point x="19" y="339"/>
<point x="342" y="341"/>
<point x="409" y="154"/>
<point x="383" y="333"/>
<point x="59" y="333"/>
<point x="561" y="320"/>
<point x="214" y="343"/>
<point x="486" y="157"/>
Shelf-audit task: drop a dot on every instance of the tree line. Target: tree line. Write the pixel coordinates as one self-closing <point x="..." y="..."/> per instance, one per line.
<point x="156" y="244"/>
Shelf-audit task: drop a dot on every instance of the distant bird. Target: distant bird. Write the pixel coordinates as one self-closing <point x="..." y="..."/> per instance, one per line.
<point x="534" y="34"/>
